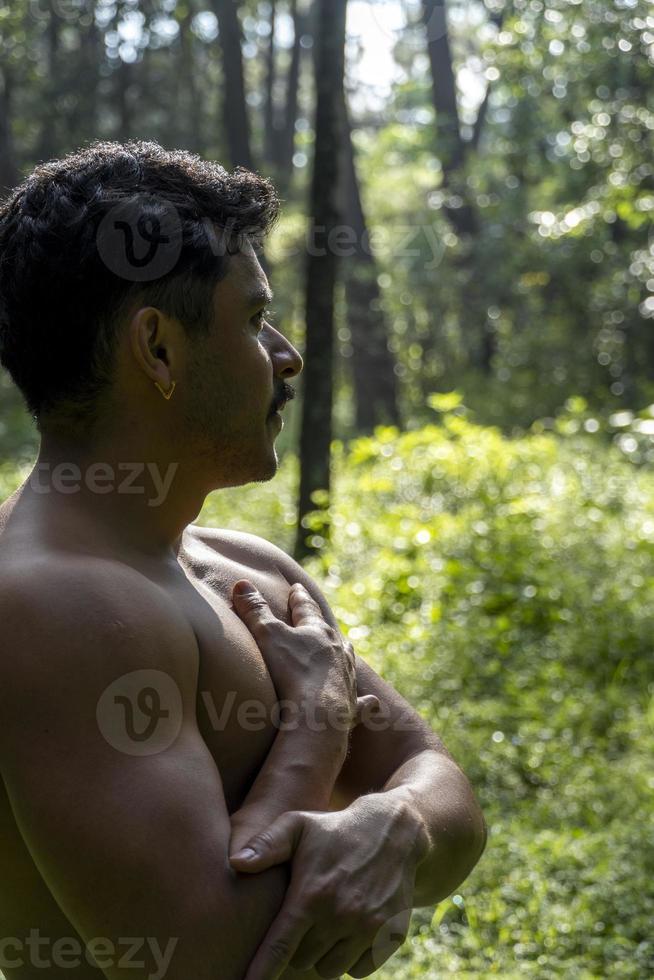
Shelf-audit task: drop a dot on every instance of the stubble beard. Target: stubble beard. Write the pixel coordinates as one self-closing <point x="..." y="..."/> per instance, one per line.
<point x="236" y="453"/>
<point x="234" y="445"/>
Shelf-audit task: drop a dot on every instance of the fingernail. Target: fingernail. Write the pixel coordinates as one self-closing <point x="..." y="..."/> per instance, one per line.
<point x="245" y="589"/>
<point x="245" y="855"/>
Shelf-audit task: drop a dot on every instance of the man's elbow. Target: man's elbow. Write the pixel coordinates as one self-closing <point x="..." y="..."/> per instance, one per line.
<point x="484" y="836"/>
<point x="471" y="847"/>
<point x="475" y="839"/>
<point x="460" y="851"/>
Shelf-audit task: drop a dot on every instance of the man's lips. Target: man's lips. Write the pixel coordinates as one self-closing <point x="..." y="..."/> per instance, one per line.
<point x="278" y="409"/>
<point x="285" y="393"/>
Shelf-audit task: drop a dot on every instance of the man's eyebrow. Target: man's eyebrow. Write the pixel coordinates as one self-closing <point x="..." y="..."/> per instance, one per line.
<point x="261" y="297"/>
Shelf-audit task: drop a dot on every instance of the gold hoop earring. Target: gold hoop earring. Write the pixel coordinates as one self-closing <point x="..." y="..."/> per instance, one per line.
<point x="167" y="394"/>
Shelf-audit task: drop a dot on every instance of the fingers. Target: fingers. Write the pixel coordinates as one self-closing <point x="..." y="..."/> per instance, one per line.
<point x="339" y="959"/>
<point x="272" y="846"/>
<point x="303" y="607"/>
<point x="278" y="948"/>
<point x="330" y="957"/>
<point x="387" y="941"/>
<point x="252" y="607"/>
<point x="360" y="958"/>
<point x="372" y="960"/>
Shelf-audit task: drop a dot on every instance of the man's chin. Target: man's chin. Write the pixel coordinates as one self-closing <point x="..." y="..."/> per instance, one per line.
<point x="261" y="470"/>
<point x="271" y="469"/>
<point x="264" y="471"/>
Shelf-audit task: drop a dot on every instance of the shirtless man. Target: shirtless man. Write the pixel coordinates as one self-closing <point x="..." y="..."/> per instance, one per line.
<point x="140" y="745"/>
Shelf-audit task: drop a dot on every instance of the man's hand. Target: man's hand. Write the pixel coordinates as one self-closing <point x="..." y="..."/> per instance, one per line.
<point x="310" y="663"/>
<point x="312" y="668"/>
<point x="348" y="905"/>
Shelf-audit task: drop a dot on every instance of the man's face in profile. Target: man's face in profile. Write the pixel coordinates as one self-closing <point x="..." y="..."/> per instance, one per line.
<point x="235" y="377"/>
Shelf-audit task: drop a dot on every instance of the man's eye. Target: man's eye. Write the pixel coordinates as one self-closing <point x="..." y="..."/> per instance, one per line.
<point x="261" y="317"/>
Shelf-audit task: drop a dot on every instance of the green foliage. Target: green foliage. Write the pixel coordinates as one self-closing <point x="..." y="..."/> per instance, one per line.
<point x="267" y="509"/>
<point x="506" y="588"/>
<point x="558" y="270"/>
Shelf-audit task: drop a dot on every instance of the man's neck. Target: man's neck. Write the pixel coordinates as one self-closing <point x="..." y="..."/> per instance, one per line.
<point x="137" y="497"/>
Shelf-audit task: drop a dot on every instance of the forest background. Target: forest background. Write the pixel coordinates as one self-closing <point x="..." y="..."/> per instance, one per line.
<point x="471" y="481"/>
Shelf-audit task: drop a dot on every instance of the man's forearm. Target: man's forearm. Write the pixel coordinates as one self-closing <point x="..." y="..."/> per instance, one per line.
<point x="440" y="801"/>
<point x="299" y="773"/>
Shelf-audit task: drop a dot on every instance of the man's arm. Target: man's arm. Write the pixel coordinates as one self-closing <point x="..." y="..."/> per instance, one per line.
<point x="113" y="788"/>
<point x="440" y="798"/>
<point x="314" y="678"/>
<point x="399" y="755"/>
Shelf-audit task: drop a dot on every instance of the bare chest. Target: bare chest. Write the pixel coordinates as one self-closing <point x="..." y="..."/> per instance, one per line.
<point x="236" y="700"/>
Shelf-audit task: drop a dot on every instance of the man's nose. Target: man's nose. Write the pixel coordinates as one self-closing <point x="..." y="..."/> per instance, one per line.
<point x="287" y="360"/>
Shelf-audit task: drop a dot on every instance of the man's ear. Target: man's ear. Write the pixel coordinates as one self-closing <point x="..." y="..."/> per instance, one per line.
<point x="154" y="341"/>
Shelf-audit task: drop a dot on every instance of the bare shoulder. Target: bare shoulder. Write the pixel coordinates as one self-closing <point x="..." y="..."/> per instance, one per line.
<point x="72" y="625"/>
<point x="248" y="546"/>
<point x="260" y="553"/>
<point x="74" y="590"/>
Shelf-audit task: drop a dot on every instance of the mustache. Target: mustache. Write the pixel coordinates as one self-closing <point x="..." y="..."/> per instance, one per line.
<point x="285" y="394"/>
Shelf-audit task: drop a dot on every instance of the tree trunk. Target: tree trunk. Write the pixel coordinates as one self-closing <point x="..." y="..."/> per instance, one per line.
<point x="375" y="380"/>
<point x="452" y="152"/>
<point x="450" y="144"/>
<point x="269" y="102"/>
<point x="316" y="432"/>
<point x="193" y="123"/>
<point x="91" y="56"/>
<point x="8" y="168"/>
<point x="285" y="144"/>
<point x="124" y="101"/>
<point x="451" y="148"/>
<point x="48" y="141"/>
<point x="234" y="106"/>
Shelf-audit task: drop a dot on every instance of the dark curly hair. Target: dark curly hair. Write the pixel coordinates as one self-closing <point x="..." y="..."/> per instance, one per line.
<point x="83" y="237"/>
